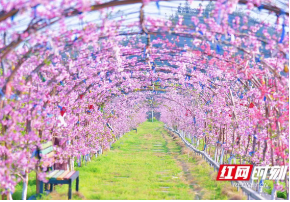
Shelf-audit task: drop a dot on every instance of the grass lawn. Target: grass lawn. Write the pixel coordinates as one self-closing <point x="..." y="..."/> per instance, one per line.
<point x="202" y="167"/>
<point x="202" y="177"/>
<point x="148" y="164"/>
<point x="137" y="167"/>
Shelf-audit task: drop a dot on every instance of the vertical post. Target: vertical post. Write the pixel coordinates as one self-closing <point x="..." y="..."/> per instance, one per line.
<point x="77" y="184"/>
<point x="2" y="62"/>
<point x="10" y="196"/>
<point x="273" y="194"/>
<point x="215" y="154"/>
<point x="261" y="184"/>
<point x="222" y="156"/>
<point x="251" y="179"/>
<point x="25" y="185"/>
<point x="286" y="184"/>
<point x="40" y="187"/>
<point x="79" y="160"/>
<point x="37" y="182"/>
<point x="73" y="164"/>
<point x="69" y="189"/>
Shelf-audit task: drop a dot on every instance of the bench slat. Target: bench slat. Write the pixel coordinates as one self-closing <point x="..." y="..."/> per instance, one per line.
<point x="69" y="175"/>
<point x="57" y="174"/>
<point x="63" y="175"/>
<point x="50" y="155"/>
<point x="46" y="151"/>
<point x="52" y="173"/>
<point x="75" y="175"/>
<point x="45" y="145"/>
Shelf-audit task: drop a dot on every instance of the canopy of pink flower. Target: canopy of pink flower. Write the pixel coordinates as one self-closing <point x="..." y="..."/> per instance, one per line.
<point x="222" y="81"/>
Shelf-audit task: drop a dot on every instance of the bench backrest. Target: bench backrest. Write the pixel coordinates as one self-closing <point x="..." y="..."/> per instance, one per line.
<point x="46" y="150"/>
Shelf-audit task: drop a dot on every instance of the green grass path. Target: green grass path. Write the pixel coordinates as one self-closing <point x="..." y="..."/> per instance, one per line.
<point x="143" y="165"/>
<point x="137" y="167"/>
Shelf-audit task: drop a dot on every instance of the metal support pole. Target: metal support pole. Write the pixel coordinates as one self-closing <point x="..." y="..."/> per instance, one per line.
<point x="274" y="193"/>
<point x="2" y="62"/>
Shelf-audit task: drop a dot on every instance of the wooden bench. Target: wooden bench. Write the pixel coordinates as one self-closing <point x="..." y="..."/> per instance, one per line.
<point x="56" y="177"/>
<point x="135" y="129"/>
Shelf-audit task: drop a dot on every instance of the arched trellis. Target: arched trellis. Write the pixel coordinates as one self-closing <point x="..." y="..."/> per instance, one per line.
<point x="80" y="93"/>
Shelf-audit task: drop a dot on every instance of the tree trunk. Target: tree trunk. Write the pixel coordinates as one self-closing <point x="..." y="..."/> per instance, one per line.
<point x="25" y="186"/>
<point x="10" y="196"/>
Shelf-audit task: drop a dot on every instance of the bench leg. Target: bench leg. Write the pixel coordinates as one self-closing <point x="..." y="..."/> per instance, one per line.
<point x="45" y="186"/>
<point x="51" y="187"/>
<point x="40" y="187"/>
<point x="77" y="184"/>
<point x="69" y="189"/>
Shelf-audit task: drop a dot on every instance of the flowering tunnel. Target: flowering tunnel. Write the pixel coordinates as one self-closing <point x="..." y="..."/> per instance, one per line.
<point x="85" y="72"/>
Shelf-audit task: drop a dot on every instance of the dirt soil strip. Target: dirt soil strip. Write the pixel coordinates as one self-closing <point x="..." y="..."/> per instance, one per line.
<point x="227" y="190"/>
<point x="187" y="178"/>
